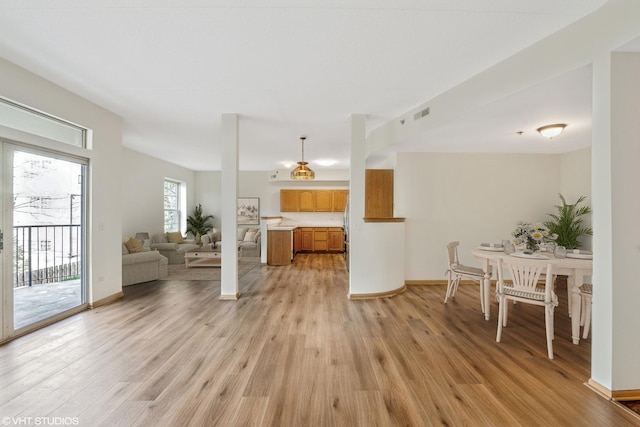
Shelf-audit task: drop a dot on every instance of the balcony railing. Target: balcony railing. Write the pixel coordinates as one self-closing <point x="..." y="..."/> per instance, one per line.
<point x="46" y="254"/>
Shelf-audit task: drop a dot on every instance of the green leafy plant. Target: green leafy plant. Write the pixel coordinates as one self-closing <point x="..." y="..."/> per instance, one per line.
<point x="567" y="223"/>
<point x="197" y="223"/>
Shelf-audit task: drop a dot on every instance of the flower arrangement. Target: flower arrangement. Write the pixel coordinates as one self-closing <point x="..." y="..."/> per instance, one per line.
<point x="532" y="235"/>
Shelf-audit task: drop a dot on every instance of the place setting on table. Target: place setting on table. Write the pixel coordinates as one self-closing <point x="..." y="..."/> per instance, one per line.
<point x="534" y="241"/>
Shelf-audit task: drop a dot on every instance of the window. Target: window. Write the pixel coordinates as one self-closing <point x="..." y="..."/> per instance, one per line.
<point x="171" y="206"/>
<point x="20" y="117"/>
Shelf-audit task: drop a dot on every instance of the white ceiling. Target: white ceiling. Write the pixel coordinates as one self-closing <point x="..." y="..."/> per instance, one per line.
<point x="170" y="68"/>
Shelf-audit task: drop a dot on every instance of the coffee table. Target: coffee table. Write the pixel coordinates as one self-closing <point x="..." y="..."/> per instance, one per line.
<point x="202" y="258"/>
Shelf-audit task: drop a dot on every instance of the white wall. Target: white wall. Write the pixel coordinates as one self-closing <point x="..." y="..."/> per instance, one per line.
<point x="105" y="202"/>
<point x="575" y="181"/>
<point x="143" y="192"/>
<point x="472" y="198"/>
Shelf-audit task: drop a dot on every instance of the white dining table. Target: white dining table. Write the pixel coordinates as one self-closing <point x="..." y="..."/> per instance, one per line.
<point x="574" y="268"/>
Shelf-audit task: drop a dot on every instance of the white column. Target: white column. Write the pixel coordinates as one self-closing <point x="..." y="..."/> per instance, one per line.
<point x="376" y="250"/>
<point x="356" y="198"/>
<point x="229" y="196"/>
<point x="616" y="209"/>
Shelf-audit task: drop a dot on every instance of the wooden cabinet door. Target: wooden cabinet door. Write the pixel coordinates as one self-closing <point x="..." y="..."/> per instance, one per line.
<point x="307" y="239"/>
<point x="320" y="239"/>
<point x="307" y="201"/>
<point x="339" y="200"/>
<point x="324" y="200"/>
<point x="378" y="193"/>
<point x="279" y="247"/>
<point x="336" y="240"/>
<point x="289" y="200"/>
<point x="297" y="240"/>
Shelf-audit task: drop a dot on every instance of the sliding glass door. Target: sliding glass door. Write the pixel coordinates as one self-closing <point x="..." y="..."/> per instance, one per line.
<point x="43" y="223"/>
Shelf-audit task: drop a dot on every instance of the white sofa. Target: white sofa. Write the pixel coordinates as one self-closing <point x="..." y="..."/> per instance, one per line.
<point x="173" y="251"/>
<point x="142" y="266"/>
<point x="249" y="245"/>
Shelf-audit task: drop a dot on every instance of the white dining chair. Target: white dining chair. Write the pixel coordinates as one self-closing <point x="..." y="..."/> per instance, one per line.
<point x="458" y="271"/>
<point x="524" y="287"/>
<point x="586" y="294"/>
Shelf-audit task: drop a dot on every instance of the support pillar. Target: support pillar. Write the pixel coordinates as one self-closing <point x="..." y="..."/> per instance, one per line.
<point x="229" y="197"/>
<point x="616" y="206"/>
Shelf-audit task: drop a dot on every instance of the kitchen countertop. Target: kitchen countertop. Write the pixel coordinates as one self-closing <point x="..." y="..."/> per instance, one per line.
<point x="292" y="226"/>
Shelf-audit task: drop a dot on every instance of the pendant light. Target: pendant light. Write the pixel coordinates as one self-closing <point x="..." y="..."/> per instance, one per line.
<point x="302" y="172"/>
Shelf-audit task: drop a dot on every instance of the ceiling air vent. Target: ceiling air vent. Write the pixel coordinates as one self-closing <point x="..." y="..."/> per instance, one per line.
<point x="421" y="114"/>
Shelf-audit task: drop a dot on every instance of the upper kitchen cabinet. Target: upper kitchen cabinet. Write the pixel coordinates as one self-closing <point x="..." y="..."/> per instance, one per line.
<point x="324" y="200"/>
<point x="289" y="200"/>
<point x="378" y="189"/>
<point x="339" y="200"/>
<point x="307" y="201"/>
<point x="313" y="200"/>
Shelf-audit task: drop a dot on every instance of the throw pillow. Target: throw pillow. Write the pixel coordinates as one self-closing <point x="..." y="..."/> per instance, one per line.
<point x="134" y="246"/>
<point x="255" y="239"/>
<point x="175" y="237"/>
<point x="250" y="236"/>
<point x="240" y="234"/>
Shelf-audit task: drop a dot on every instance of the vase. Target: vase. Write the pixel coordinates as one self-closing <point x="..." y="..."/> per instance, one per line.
<point x="532" y="246"/>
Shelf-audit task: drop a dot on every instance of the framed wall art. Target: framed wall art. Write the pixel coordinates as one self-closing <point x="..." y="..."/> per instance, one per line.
<point x="248" y="210"/>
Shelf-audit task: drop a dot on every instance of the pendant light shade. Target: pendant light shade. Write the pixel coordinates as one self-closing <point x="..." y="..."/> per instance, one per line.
<point x="302" y="172"/>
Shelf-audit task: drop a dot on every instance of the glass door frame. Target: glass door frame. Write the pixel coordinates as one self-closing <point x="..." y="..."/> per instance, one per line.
<point x="7" y="148"/>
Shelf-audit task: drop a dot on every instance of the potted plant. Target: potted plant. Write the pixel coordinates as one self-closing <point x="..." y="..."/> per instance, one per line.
<point x="567" y="223"/>
<point x="197" y="224"/>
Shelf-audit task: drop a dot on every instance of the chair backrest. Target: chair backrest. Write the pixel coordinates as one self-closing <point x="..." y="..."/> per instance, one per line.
<point x="525" y="274"/>
<point x="452" y="252"/>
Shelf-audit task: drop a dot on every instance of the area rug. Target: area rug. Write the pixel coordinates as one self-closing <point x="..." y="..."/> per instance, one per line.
<point x="179" y="272"/>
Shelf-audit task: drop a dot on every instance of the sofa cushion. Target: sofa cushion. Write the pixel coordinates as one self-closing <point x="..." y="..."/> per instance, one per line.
<point x="175" y="237"/>
<point x="241" y="233"/>
<point x="160" y="238"/>
<point x="250" y="235"/>
<point x="134" y="246"/>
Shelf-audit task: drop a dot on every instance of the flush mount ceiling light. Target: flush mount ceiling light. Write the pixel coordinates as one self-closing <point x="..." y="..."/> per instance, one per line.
<point x="326" y="162"/>
<point x="552" y="130"/>
<point x="302" y="172"/>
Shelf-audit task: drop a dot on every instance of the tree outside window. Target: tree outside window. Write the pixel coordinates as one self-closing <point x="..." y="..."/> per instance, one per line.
<point x="171" y="206"/>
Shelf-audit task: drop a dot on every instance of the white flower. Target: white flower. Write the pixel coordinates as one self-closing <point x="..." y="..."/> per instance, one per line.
<point x="538" y="232"/>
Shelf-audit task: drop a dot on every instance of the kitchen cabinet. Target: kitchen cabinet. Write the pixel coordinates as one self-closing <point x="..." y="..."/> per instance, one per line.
<point x="289" y="200"/>
<point x="313" y="200"/>
<point x="320" y="239"/>
<point x="307" y="201"/>
<point x="324" y="200"/>
<point x="297" y="240"/>
<point x="336" y="239"/>
<point x="378" y="193"/>
<point x="339" y="200"/>
<point x="279" y="247"/>
<point x="307" y="239"/>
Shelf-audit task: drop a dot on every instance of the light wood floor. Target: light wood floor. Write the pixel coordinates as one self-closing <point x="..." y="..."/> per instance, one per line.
<point x="294" y="351"/>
